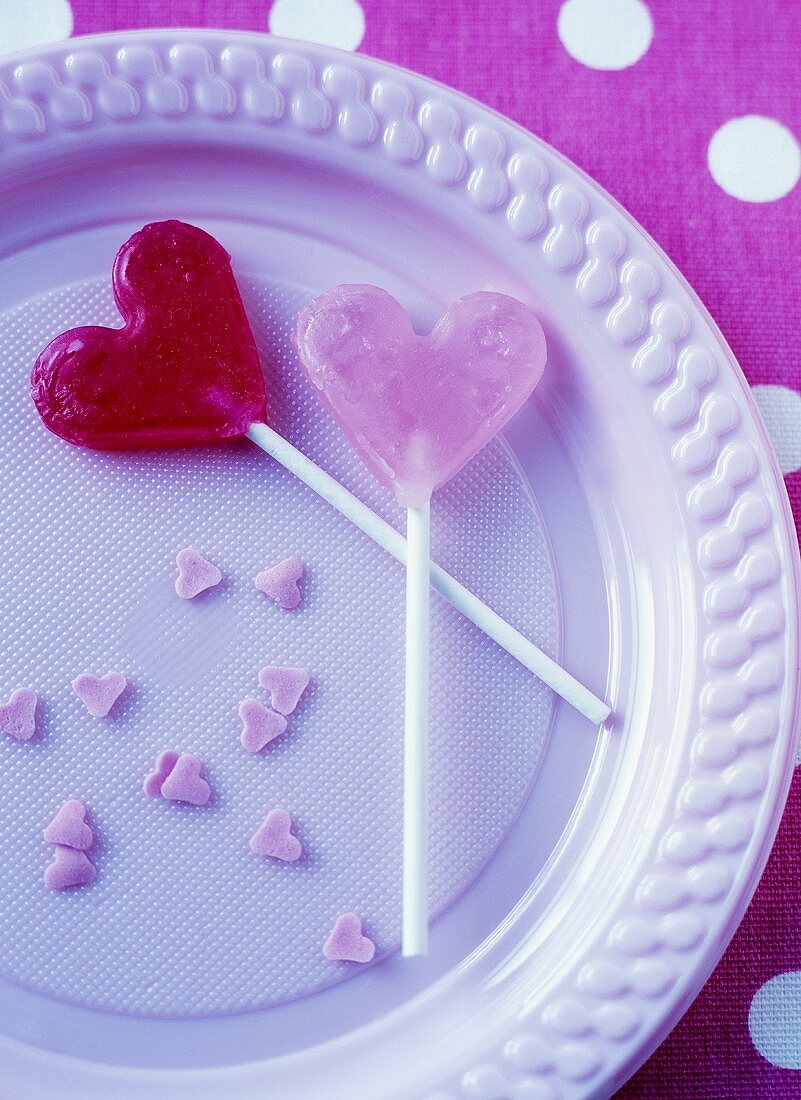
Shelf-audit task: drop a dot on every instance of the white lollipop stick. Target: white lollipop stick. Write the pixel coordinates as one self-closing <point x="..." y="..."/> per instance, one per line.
<point x="414" y="936"/>
<point x="385" y="535"/>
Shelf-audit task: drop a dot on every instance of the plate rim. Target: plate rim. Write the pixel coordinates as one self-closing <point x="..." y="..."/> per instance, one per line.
<point x="47" y="93"/>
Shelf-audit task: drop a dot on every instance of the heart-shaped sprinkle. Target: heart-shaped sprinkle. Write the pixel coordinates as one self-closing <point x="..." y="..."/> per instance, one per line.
<point x="70" y="867"/>
<point x="183" y="369"/>
<point x="260" y="725"/>
<point x="285" y="685"/>
<point x="280" y="582"/>
<point x="185" y="783"/>
<point x="18" y="715"/>
<point x="347" y="942"/>
<point x="69" y="828"/>
<point x="274" y="838"/>
<point x="99" y="693"/>
<point x="165" y="762"/>
<point x="418" y="408"/>
<point x="195" y="574"/>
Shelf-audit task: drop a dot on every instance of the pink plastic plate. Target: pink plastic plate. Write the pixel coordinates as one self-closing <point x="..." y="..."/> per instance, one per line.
<point x="633" y="521"/>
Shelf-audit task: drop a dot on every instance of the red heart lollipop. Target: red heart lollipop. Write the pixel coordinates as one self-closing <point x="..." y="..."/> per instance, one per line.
<point x="183" y="370"/>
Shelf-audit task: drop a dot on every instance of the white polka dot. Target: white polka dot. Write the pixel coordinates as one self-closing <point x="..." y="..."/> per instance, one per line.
<point x="755" y="159"/>
<point x="605" y="34"/>
<point x="781" y="411"/>
<point x="330" y="22"/>
<point x="24" y="23"/>
<point x="773" y="1020"/>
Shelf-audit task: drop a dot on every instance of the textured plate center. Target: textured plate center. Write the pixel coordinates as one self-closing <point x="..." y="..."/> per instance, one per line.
<point x="183" y="919"/>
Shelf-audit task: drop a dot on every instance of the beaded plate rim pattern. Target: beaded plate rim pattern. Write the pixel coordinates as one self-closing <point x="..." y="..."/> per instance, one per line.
<point x="590" y="1026"/>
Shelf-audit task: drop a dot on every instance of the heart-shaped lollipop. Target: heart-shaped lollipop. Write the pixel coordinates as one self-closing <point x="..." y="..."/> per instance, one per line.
<point x="418" y="408"/>
<point x="184" y="369"/>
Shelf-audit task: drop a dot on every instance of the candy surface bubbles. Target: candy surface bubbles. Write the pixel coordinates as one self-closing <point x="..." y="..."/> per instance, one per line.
<point x="183" y="370"/>
<point x="418" y="408"/>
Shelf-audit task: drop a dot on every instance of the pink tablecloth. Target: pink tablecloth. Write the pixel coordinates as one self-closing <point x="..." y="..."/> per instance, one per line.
<point x="655" y="99"/>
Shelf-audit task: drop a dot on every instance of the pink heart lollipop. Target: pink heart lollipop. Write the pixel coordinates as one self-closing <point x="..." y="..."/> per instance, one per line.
<point x="418" y="408"/>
